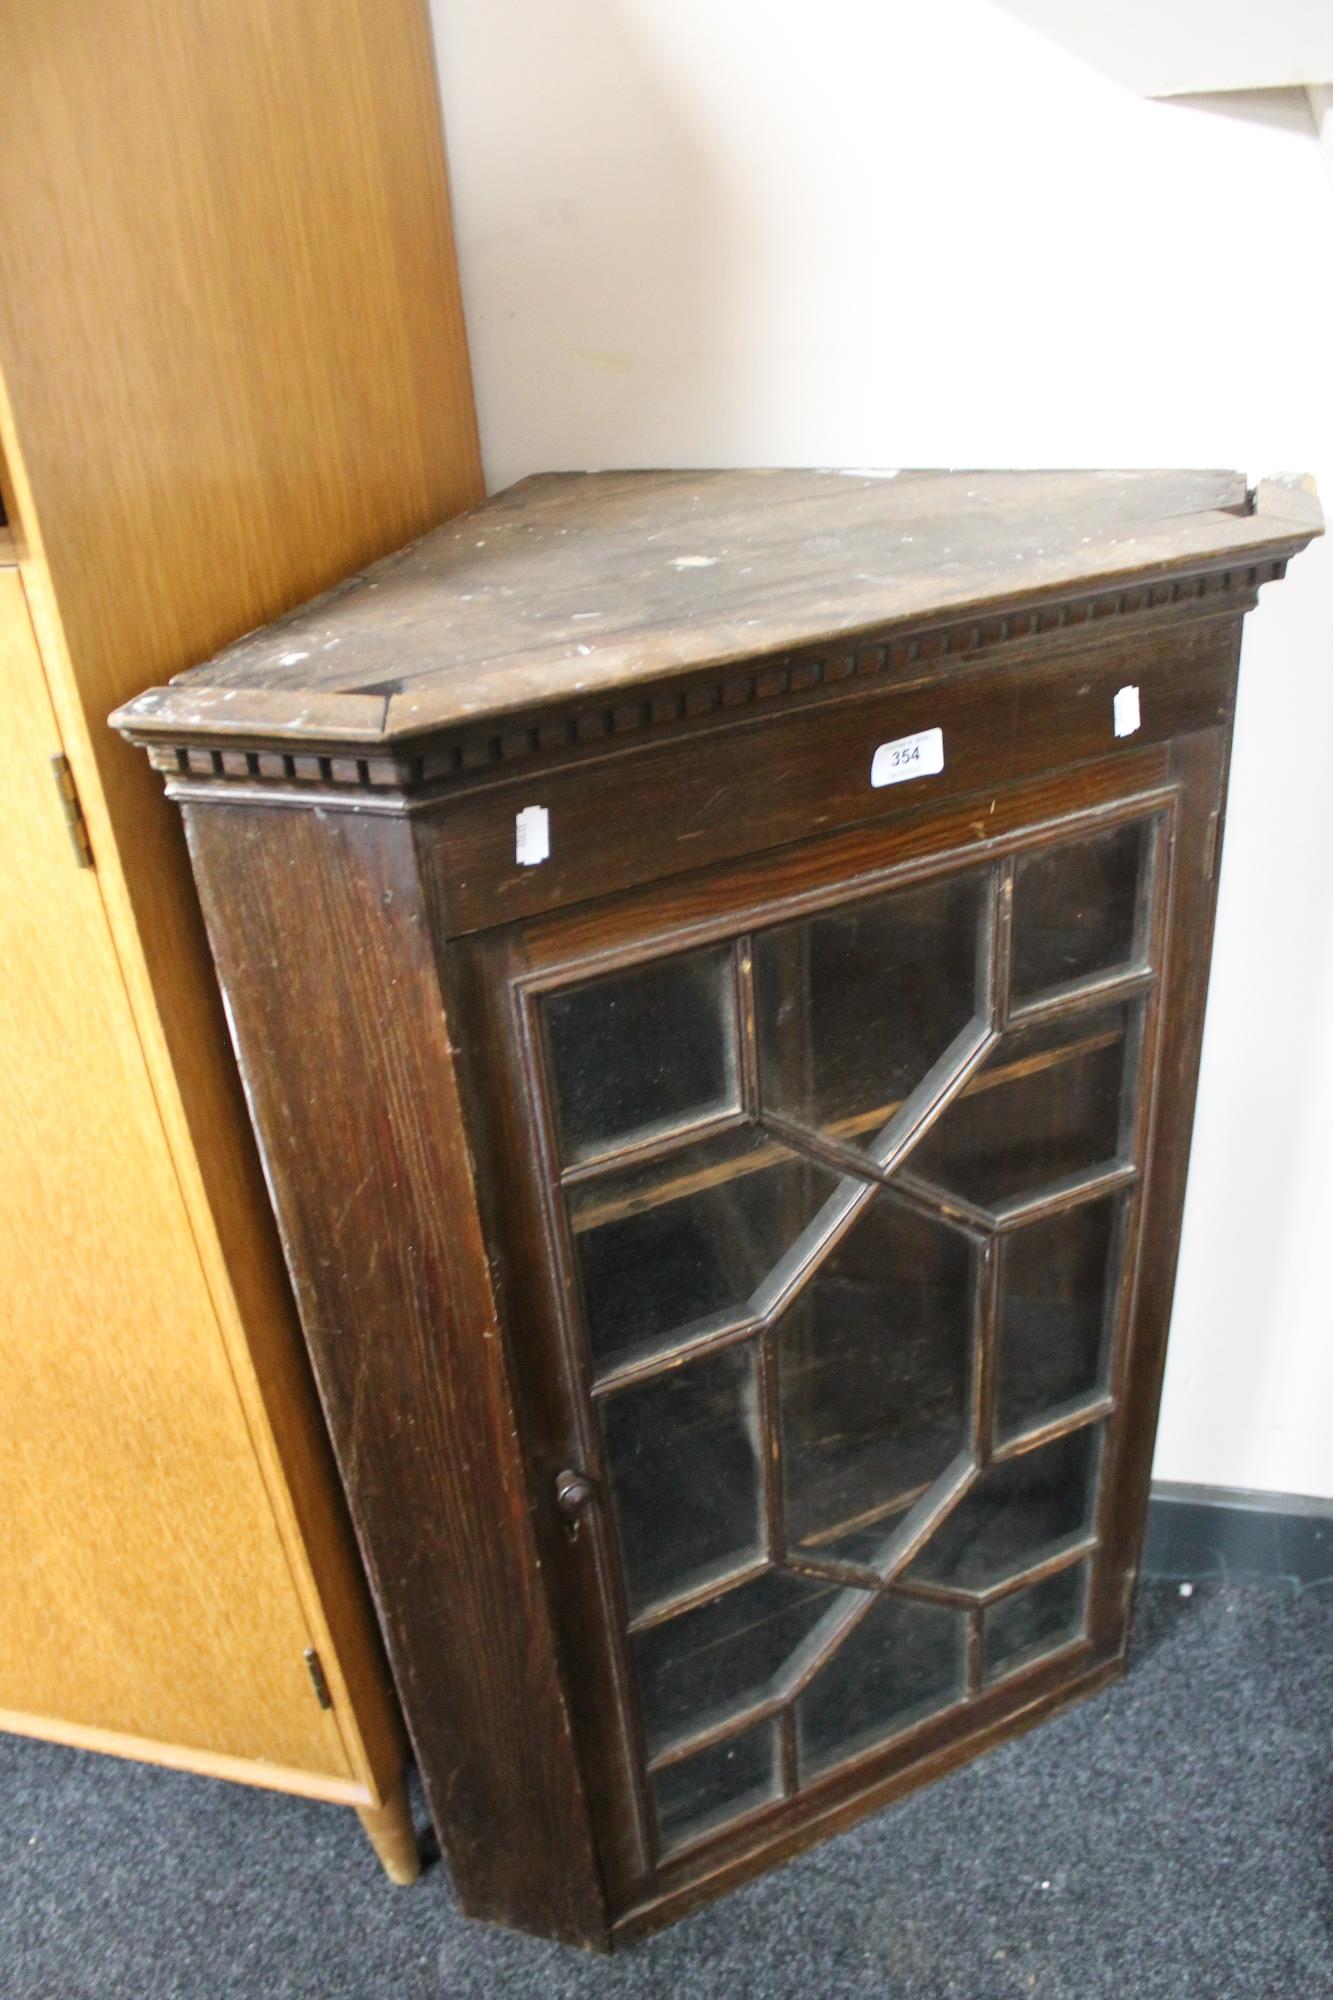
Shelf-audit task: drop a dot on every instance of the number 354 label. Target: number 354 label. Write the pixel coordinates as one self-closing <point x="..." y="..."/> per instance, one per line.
<point x="918" y="756"/>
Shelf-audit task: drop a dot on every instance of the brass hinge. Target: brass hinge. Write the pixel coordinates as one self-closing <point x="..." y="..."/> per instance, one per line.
<point x="315" y="1669"/>
<point x="74" y="820"/>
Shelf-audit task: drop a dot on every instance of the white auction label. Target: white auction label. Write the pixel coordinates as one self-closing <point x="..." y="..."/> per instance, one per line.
<point x="918" y="756"/>
<point x="1125" y="711"/>
<point x="532" y="836"/>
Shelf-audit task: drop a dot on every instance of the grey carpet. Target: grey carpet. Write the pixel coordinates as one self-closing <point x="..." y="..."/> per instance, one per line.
<point x="1165" y="1839"/>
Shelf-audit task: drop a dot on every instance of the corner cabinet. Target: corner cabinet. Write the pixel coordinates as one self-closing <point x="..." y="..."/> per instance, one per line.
<point x="718" y="962"/>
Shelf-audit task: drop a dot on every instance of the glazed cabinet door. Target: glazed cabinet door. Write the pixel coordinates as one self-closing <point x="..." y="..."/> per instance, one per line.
<point x="837" y="1199"/>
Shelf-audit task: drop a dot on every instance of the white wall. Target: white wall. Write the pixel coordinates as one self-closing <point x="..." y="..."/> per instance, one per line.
<point x="702" y="232"/>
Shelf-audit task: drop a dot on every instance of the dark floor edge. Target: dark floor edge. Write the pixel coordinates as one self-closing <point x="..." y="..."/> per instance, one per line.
<point x="1198" y="1532"/>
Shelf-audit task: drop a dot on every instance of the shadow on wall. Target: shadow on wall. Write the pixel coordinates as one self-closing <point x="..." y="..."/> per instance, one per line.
<point x="600" y="269"/>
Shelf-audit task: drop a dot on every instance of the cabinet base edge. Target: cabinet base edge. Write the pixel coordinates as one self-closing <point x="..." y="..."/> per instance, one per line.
<point x="179" y="1757"/>
<point x="641" y="1921"/>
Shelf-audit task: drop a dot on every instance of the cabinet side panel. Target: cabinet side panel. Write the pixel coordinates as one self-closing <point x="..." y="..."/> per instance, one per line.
<point x="233" y="368"/>
<point x="325" y="958"/>
<point x="1200" y="764"/>
<point x="144" y="1591"/>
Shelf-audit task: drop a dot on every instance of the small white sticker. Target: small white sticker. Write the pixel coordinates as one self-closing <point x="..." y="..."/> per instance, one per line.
<point x="1126" y="711"/>
<point x="918" y="756"/>
<point x="532" y="836"/>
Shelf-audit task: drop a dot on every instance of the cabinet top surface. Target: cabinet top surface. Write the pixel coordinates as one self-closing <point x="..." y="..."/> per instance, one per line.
<point x="571" y="585"/>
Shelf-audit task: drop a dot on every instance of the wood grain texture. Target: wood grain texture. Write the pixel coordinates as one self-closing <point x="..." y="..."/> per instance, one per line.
<point x="232" y="365"/>
<point x="691" y="903"/>
<point x="244" y="1770"/>
<point x="597" y="584"/>
<point x="397" y="979"/>
<point x="144" y="1589"/>
<point x="761" y="784"/>
<point x="349" y="1062"/>
<point x="389" y="1830"/>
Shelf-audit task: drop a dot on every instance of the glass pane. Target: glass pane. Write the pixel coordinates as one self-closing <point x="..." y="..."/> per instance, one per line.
<point x="667" y="1250"/>
<point x="871" y="1305"/>
<point x="1075" y="910"/>
<point x="703" y="1792"/>
<point x="903" y="1661"/>
<point x="1022" y="1627"/>
<point x="642" y="1051"/>
<point x="873" y="1369"/>
<point x="682" y="1453"/>
<point x="1016" y="1515"/>
<point x="1057" y="1282"/>
<point x="855" y="1006"/>
<point x="703" y="1666"/>
<point x="1047" y="1103"/>
<point x="864" y="1547"/>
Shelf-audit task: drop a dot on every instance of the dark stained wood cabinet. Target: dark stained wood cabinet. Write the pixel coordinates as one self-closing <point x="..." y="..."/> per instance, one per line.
<point x="718" y="963"/>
